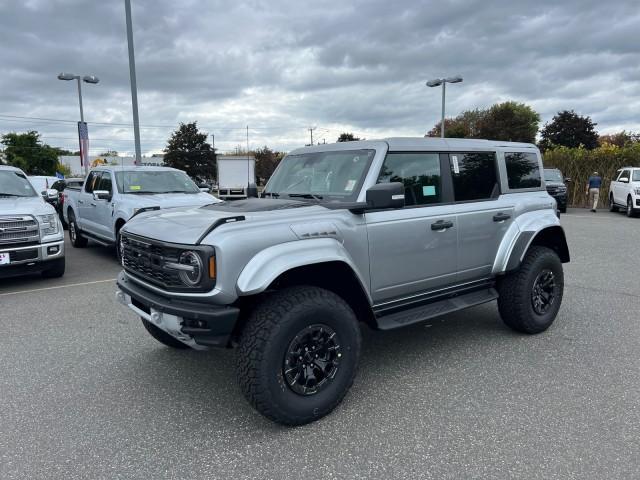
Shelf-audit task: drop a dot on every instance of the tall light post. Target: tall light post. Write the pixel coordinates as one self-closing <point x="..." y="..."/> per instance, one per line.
<point x="132" y="76"/>
<point x="443" y="81"/>
<point x="87" y="79"/>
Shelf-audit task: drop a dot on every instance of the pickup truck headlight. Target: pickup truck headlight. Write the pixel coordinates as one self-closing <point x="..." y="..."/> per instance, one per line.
<point x="637" y="190"/>
<point x="48" y="224"/>
<point x="192" y="268"/>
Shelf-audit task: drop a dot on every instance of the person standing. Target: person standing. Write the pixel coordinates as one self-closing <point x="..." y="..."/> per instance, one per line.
<point x="593" y="190"/>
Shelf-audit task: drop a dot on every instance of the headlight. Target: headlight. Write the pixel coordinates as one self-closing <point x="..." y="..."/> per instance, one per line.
<point x="191" y="274"/>
<point x="48" y="224"/>
<point x="562" y="189"/>
<point x="637" y="190"/>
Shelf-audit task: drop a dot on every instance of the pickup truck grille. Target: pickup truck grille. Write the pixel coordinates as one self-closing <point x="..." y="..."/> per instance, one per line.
<point x="147" y="260"/>
<point x="18" y="230"/>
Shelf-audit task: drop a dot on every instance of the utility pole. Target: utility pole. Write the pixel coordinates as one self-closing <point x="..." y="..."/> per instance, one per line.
<point x="134" y="86"/>
<point x="311" y="129"/>
<point x="213" y="143"/>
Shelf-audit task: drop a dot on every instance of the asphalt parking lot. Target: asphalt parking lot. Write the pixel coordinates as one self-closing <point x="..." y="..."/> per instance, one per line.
<point x="85" y="392"/>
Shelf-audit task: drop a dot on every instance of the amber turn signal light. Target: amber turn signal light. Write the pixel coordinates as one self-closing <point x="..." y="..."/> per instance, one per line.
<point x="212" y="267"/>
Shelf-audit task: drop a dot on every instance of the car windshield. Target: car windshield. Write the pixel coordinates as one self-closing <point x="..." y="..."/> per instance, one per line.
<point x="321" y="175"/>
<point x="636" y="176"/>
<point x="42" y="183"/>
<point x="155" y="181"/>
<point x="15" y="184"/>
<point x="553" y="176"/>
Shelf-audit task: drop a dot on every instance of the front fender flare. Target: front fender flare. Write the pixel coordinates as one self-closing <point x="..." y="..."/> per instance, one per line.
<point x="272" y="262"/>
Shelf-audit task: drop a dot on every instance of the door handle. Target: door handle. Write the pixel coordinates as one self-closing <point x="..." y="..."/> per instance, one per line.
<point x="441" y="225"/>
<point x="80" y="201"/>
<point x="93" y="204"/>
<point x="501" y="217"/>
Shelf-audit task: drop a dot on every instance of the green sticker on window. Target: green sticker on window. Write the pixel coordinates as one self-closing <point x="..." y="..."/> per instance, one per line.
<point x="429" y="191"/>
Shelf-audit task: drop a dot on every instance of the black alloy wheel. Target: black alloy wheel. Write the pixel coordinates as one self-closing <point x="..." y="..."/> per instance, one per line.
<point x="543" y="292"/>
<point x="312" y="359"/>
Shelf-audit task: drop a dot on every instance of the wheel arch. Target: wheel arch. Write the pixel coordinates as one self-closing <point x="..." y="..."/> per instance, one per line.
<point x="552" y="237"/>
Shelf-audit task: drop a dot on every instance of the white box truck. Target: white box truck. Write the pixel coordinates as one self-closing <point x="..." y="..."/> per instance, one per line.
<point x="235" y="173"/>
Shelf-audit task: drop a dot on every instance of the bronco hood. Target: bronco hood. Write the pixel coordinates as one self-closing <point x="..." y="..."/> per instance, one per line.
<point x="189" y="225"/>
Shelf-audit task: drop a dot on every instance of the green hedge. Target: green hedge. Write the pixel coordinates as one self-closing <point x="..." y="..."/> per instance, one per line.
<point x="579" y="163"/>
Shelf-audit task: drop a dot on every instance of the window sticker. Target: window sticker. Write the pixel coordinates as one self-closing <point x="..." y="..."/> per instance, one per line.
<point x="454" y="160"/>
<point x="134" y="187"/>
<point x="350" y="185"/>
<point x="429" y="191"/>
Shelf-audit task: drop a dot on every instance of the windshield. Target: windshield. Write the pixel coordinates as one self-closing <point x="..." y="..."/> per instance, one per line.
<point x="15" y="184"/>
<point x="155" y="181"/>
<point x="42" y="183"/>
<point x="321" y="175"/>
<point x="553" y="176"/>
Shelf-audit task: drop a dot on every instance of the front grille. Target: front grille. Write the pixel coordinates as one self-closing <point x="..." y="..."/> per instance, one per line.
<point x="18" y="230"/>
<point x="22" y="255"/>
<point x="147" y="260"/>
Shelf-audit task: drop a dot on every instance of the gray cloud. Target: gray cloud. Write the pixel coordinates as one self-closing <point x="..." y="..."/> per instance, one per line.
<point x="281" y="66"/>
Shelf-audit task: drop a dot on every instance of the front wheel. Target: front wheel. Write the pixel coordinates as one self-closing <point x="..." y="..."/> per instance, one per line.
<point x="298" y="354"/>
<point x="529" y="298"/>
<point x="77" y="240"/>
<point x="630" y="211"/>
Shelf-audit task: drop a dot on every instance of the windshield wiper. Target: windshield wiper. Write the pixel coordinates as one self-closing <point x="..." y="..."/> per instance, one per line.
<point x="271" y="194"/>
<point x="10" y="195"/>
<point x="135" y="192"/>
<point x="305" y="195"/>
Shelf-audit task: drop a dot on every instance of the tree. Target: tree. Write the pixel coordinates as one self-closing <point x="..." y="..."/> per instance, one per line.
<point x="266" y="162"/>
<point x="620" y="139"/>
<point x="109" y="153"/>
<point x="188" y="150"/>
<point x="568" y="129"/>
<point x="347" y="137"/>
<point x="64" y="169"/>
<point x="464" y="125"/>
<point x="25" y="151"/>
<point x="509" y="121"/>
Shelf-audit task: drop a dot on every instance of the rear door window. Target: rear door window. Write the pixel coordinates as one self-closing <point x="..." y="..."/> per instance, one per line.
<point x="474" y="176"/>
<point x="420" y="174"/>
<point x="523" y="170"/>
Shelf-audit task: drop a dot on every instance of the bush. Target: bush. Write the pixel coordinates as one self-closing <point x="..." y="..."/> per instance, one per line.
<point x="579" y="163"/>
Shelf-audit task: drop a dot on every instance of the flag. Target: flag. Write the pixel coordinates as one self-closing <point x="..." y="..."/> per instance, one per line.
<point x="83" y="137"/>
<point x="60" y="175"/>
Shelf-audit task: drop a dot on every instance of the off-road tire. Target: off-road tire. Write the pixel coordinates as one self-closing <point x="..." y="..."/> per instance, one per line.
<point x="77" y="240"/>
<point x="515" y="292"/>
<point x="612" y="206"/>
<point x="56" y="270"/>
<point x="264" y="342"/>
<point x="163" y="337"/>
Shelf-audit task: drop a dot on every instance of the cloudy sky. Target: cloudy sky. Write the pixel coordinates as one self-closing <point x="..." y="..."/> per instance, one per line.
<point x="283" y="66"/>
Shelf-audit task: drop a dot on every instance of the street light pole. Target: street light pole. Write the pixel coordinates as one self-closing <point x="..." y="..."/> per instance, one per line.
<point x="134" y="87"/>
<point x="87" y="79"/>
<point x="443" y="81"/>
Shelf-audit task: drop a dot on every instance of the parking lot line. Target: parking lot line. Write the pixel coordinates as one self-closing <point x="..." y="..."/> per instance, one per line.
<point x="17" y="292"/>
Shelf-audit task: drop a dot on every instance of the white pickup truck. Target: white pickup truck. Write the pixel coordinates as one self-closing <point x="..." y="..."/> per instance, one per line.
<point x="110" y="196"/>
<point x="31" y="235"/>
<point x="624" y="191"/>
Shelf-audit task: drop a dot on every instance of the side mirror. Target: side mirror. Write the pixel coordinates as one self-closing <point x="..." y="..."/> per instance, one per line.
<point x="205" y="189"/>
<point x="624" y="180"/>
<point x="50" y="194"/>
<point x="101" y="195"/>
<point x="252" y="191"/>
<point x="386" y="195"/>
<point x="567" y="180"/>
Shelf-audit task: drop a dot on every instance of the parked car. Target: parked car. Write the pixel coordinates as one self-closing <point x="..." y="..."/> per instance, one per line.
<point x="556" y="185"/>
<point x="110" y="196"/>
<point x="31" y="236"/>
<point x="59" y="186"/>
<point x="624" y="191"/>
<point x="43" y="185"/>
<point x="388" y="233"/>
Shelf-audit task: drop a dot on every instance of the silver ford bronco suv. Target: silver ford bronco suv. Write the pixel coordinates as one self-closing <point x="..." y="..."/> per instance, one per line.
<point x="386" y="233"/>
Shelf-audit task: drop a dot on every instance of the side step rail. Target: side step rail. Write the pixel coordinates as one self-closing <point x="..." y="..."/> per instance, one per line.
<point x="409" y="315"/>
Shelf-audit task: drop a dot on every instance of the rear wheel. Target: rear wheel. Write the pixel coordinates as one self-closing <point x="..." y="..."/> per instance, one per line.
<point x="162" y="336"/>
<point x="612" y="205"/>
<point x="531" y="296"/>
<point x="56" y="268"/>
<point x="77" y="240"/>
<point x="298" y="354"/>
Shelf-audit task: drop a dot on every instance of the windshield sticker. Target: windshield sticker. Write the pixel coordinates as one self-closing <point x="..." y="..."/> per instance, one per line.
<point x="429" y="191"/>
<point x="350" y="185"/>
<point x="134" y="187"/>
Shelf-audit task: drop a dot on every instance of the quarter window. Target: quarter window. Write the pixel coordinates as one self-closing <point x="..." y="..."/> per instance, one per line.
<point x="474" y="176"/>
<point x="420" y="174"/>
<point x="523" y="170"/>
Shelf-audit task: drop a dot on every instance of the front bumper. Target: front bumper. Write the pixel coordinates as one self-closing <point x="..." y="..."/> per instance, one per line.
<point x="195" y="323"/>
<point x="30" y="258"/>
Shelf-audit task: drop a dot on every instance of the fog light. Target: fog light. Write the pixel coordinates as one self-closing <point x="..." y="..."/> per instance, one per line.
<point x="156" y="317"/>
<point x="120" y="297"/>
<point x="53" y="249"/>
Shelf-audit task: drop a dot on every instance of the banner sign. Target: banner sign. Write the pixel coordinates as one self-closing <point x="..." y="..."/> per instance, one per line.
<point x="83" y="137"/>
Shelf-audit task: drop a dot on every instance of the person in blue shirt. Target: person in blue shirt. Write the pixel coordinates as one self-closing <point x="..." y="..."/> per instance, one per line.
<point x="593" y="190"/>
